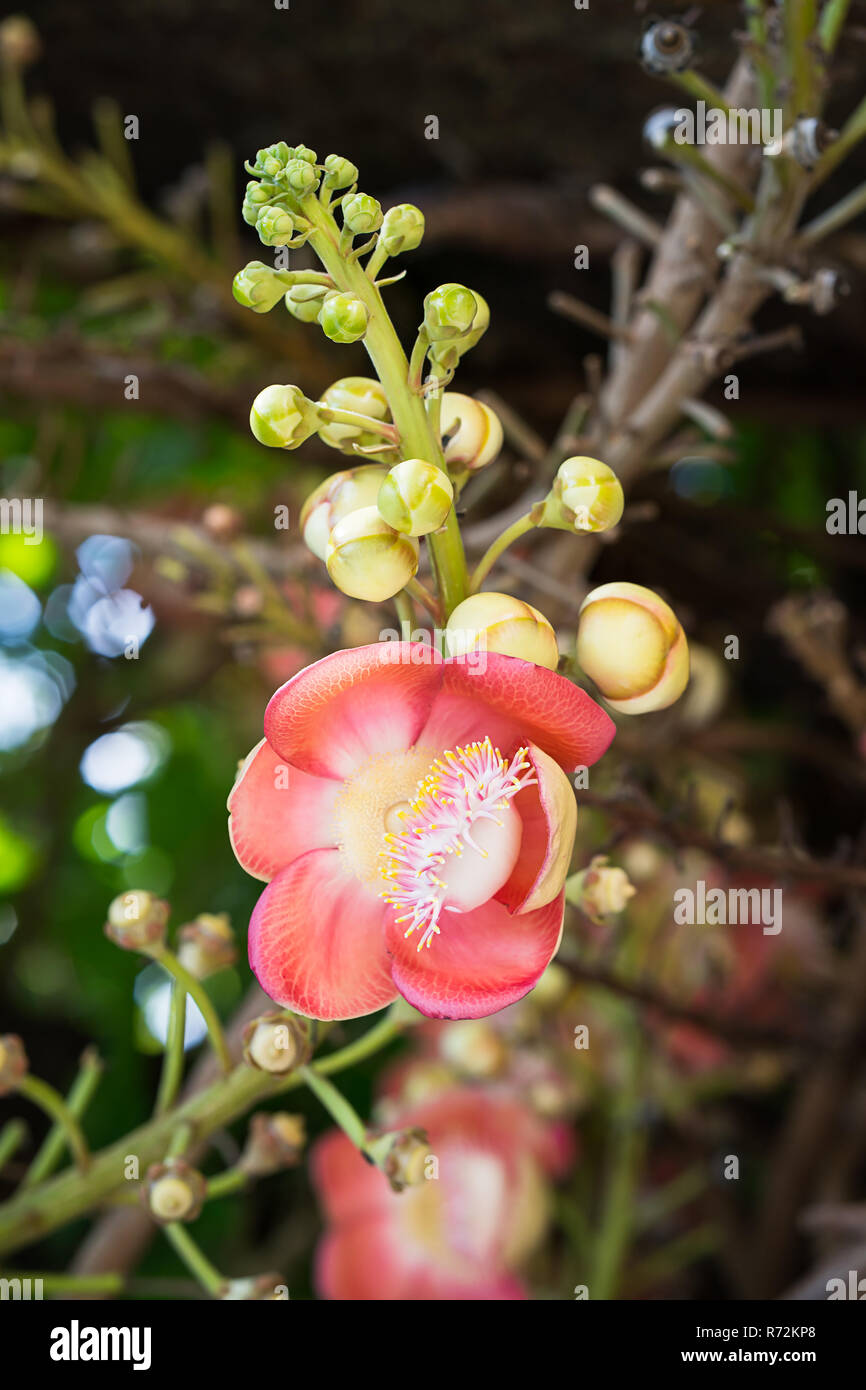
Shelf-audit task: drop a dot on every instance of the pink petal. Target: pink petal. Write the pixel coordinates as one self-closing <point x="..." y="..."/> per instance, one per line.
<point x="341" y="710"/>
<point x="277" y="813"/>
<point x="548" y="811"/>
<point x="479" y="963"/>
<point x="364" y="1260"/>
<point x="514" y="702"/>
<point x="347" y="1185"/>
<point x="316" y="942"/>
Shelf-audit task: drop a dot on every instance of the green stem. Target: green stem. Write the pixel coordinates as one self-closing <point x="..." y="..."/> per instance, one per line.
<point x="170" y="962"/>
<point x="331" y="415"/>
<point x="405" y="611"/>
<point x="853" y="131"/>
<point x="225" y="1184"/>
<point x="55" y="1106"/>
<point x="73" y="1283"/>
<point x="835" y="217"/>
<point x="627" y="1141"/>
<point x="511" y="534"/>
<point x="407" y="409"/>
<point x="28" y="1216"/>
<point x="832" y="21"/>
<point x="80" y="1096"/>
<point x="172" y="1062"/>
<point x="757" y="25"/>
<point x="423" y="596"/>
<point x="376" y="261"/>
<point x="195" y="1260"/>
<point x="12" y="1136"/>
<point x="800" y="20"/>
<point x="700" y="88"/>
<point x="180" y="1141"/>
<point x="337" y="1106"/>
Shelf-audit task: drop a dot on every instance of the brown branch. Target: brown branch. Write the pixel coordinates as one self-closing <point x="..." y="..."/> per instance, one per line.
<point x="643" y="816"/>
<point x="735" y="1030"/>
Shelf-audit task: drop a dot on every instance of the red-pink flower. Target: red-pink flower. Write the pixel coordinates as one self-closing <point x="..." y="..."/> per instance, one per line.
<point x="414" y="824"/>
<point x="464" y="1230"/>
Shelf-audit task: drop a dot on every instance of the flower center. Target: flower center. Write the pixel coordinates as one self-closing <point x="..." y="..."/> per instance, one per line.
<point x="462" y="803"/>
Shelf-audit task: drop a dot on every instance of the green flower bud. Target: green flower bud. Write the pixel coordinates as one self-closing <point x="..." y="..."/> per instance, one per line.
<point x="258" y="287"/>
<point x="361" y="213"/>
<point x="339" y="172"/>
<point x="416" y="497"/>
<point x="402" y="229"/>
<point x="446" y="355"/>
<point x="449" y="312"/>
<point x="343" y="317"/>
<point x="362" y="394"/>
<point x="255" y="197"/>
<point x="273" y="159"/>
<point x="274" y="226"/>
<point x="282" y="417"/>
<point x="300" y="176"/>
<point x="586" y="496"/>
<point x="334" y="499"/>
<point x="304" y="152"/>
<point x="304" y="302"/>
<point x="368" y="559"/>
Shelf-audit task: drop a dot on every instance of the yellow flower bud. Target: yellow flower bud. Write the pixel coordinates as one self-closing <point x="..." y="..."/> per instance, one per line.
<point x="275" y="1141"/>
<point x="631" y="644"/>
<point x="500" y="623"/>
<point x="277" y="1043"/>
<point x="174" y="1191"/>
<point x="136" y="921"/>
<point x="600" y="891"/>
<point x="474" y="1048"/>
<point x="362" y="394"/>
<point x="471" y="432"/>
<point x="416" y="497"/>
<point x="206" y="945"/>
<point x="402" y="1157"/>
<point x="335" y="498"/>
<point x="368" y="559"/>
<point x="586" y="496"/>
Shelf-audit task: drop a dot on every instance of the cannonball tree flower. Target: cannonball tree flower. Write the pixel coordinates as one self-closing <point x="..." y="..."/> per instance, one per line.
<point x="461" y="1234"/>
<point x="414" y="822"/>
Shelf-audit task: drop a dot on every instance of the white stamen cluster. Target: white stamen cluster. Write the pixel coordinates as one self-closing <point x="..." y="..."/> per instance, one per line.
<point x="470" y="785"/>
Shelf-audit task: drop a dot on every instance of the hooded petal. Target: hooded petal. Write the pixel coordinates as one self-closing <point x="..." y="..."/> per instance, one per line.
<point x="515" y="702"/>
<point x="277" y="812"/>
<point x="480" y="961"/>
<point x="316" y="941"/>
<point x="338" y="712"/>
<point x="548" y="811"/>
